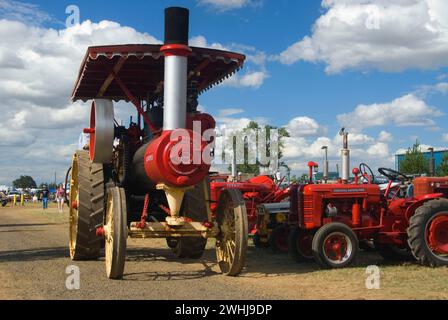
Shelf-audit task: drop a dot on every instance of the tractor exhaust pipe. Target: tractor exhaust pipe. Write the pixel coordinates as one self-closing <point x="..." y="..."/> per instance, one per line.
<point x="345" y="154"/>
<point x="176" y="52"/>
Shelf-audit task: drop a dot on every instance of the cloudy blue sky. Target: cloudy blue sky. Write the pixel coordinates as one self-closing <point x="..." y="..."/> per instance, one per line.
<point x="377" y="67"/>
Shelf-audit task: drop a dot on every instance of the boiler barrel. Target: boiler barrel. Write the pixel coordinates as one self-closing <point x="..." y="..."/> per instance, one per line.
<point x="140" y="180"/>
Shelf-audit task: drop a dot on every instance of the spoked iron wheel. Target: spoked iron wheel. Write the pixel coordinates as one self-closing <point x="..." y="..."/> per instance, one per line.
<point x="335" y="245"/>
<point x="86" y="207"/>
<point x="115" y="232"/>
<point x="231" y="243"/>
<point x="428" y="233"/>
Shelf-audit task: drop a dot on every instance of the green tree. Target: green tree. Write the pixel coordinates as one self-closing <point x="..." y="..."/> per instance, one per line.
<point x="442" y="170"/>
<point x="294" y="179"/>
<point x="414" y="161"/>
<point x="255" y="168"/>
<point x="24" y="182"/>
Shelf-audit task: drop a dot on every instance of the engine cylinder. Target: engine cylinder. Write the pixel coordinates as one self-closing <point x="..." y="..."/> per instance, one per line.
<point x="174" y="158"/>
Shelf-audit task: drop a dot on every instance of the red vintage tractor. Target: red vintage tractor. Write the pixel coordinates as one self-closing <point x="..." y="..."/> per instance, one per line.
<point x="150" y="180"/>
<point x="257" y="190"/>
<point x="330" y="220"/>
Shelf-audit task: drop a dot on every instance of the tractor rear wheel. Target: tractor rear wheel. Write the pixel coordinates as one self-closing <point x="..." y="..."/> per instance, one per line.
<point x="195" y="208"/>
<point x="231" y="242"/>
<point x="428" y="233"/>
<point x="390" y="252"/>
<point x="299" y="245"/>
<point x="86" y="207"/>
<point x="278" y="240"/>
<point x="335" y="245"/>
<point x="115" y="232"/>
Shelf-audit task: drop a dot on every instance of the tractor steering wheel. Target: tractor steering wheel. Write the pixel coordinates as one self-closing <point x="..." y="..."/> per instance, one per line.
<point x="392" y="192"/>
<point x="366" y="171"/>
<point x="393" y="174"/>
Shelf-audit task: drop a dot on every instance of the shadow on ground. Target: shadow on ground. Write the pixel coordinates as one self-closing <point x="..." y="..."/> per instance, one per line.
<point x="39" y="254"/>
<point x="22" y="225"/>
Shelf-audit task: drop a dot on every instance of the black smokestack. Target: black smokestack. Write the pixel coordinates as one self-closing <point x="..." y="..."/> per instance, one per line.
<point x="176" y="25"/>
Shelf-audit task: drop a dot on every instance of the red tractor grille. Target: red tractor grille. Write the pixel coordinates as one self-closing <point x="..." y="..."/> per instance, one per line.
<point x="307" y="209"/>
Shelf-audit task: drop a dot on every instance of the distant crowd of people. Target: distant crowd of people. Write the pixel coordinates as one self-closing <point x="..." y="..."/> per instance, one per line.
<point x="44" y="196"/>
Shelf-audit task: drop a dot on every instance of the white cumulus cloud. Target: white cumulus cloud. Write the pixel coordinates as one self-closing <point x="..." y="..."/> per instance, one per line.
<point x="408" y="110"/>
<point x="392" y="35"/>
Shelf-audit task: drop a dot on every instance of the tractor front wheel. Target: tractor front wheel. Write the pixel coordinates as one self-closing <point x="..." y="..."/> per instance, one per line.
<point x="299" y="245"/>
<point x="231" y="242"/>
<point x="428" y="233"/>
<point x="171" y="242"/>
<point x="116" y="233"/>
<point x="335" y="245"/>
<point x="278" y="240"/>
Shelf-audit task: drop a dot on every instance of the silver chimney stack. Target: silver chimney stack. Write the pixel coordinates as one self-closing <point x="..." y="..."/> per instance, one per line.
<point x="176" y="52"/>
<point x="345" y="154"/>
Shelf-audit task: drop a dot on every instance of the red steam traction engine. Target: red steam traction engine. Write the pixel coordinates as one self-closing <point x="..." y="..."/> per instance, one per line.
<point x="329" y="220"/>
<point x="147" y="180"/>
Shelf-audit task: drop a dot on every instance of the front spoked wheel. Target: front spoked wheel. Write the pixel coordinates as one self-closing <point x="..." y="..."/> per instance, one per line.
<point x="116" y="232"/>
<point x="231" y="243"/>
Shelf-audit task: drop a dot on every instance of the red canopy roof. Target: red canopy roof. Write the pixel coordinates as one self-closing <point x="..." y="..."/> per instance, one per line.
<point x="141" y="69"/>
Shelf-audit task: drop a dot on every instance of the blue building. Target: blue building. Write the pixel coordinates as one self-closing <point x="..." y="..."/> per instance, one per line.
<point x="438" y="156"/>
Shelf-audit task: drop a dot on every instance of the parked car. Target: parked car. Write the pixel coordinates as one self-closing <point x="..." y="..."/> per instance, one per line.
<point x="11" y="194"/>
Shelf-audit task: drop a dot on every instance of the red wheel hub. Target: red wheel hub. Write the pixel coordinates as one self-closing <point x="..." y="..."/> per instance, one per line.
<point x="438" y="234"/>
<point x="335" y="247"/>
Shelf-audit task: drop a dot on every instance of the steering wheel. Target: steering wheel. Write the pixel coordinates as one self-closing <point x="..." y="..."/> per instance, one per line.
<point x="366" y="171"/>
<point x="393" y="174"/>
<point x="392" y="193"/>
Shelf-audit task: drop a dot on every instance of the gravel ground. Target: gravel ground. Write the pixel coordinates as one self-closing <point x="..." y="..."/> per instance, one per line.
<point x="34" y="258"/>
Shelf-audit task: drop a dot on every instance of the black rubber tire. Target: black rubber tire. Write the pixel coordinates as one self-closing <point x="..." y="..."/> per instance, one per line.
<point x="294" y="252"/>
<point x="171" y="242"/>
<point x="116" y="249"/>
<point x="256" y="240"/>
<point x="195" y="208"/>
<point x="277" y="232"/>
<point x="392" y="253"/>
<point x="417" y="233"/>
<point x="318" y="243"/>
<point x="233" y="200"/>
<point x="90" y="208"/>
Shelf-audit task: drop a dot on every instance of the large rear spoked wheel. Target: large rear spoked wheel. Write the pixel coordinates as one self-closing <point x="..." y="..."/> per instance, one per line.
<point x="86" y="207"/>
<point x="231" y="242"/>
<point x="115" y="232"/>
